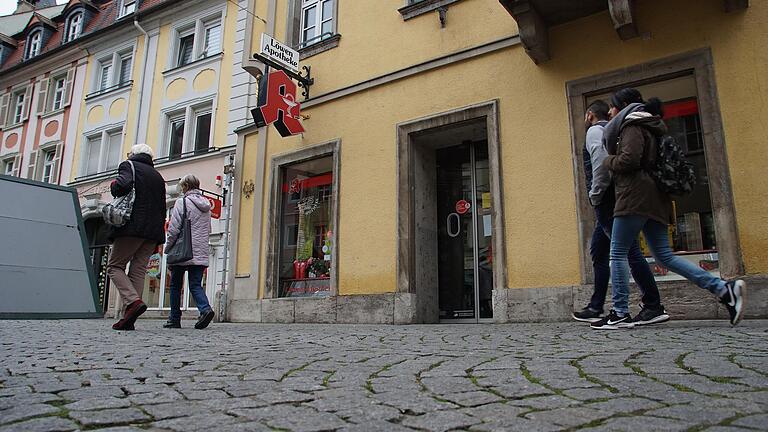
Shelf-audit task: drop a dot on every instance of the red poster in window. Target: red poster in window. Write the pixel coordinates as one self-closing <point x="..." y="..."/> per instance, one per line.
<point x="280" y="105"/>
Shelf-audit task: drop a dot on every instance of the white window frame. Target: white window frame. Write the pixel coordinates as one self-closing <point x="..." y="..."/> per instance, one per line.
<point x="34" y="44"/>
<point x="197" y="28"/>
<point x="74" y="31"/>
<point x="114" y="62"/>
<point x="8" y="166"/>
<point x="189" y="115"/>
<point x="127" y="7"/>
<point x="104" y="136"/>
<point x="59" y="93"/>
<point x="47" y="164"/>
<point x="318" y="22"/>
<point x="19" y="103"/>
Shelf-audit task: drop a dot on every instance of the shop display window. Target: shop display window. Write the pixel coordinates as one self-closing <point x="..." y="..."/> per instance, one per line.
<point x="306" y="210"/>
<point x="693" y="235"/>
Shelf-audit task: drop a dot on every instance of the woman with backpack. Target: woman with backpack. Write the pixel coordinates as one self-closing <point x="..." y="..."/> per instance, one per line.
<point x="631" y="139"/>
<point x="195" y="207"/>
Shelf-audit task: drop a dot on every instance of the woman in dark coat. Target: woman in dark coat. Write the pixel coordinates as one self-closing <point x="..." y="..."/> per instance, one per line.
<point x="135" y="241"/>
<point x="631" y="142"/>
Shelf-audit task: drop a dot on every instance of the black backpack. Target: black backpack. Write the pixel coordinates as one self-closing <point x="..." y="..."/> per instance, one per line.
<point x="672" y="171"/>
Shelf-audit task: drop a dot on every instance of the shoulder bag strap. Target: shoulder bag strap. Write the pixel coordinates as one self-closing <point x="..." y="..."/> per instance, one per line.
<point x="133" y="171"/>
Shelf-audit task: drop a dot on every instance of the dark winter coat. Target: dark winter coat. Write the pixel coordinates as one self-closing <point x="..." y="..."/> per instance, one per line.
<point x="148" y="215"/>
<point x="629" y="160"/>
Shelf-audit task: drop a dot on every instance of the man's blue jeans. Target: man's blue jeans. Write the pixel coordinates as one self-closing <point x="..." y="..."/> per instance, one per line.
<point x="195" y="288"/>
<point x="625" y="232"/>
<point x="600" y="249"/>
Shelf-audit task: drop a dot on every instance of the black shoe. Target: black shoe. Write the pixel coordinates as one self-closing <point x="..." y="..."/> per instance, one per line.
<point x="172" y="324"/>
<point x="587" y="315"/>
<point x="613" y="322"/>
<point x="650" y="315"/>
<point x="734" y="299"/>
<point x="204" y="319"/>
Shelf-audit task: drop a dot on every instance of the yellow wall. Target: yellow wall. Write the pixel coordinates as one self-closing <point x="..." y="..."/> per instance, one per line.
<point x="538" y="180"/>
<point x="154" y="129"/>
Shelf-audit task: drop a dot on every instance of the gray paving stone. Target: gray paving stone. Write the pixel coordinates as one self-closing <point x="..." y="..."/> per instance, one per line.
<point x="43" y="424"/>
<point x="201" y="422"/>
<point x="109" y="417"/>
<point x="24" y="411"/>
<point x="631" y="424"/>
<point x="98" y="403"/>
<point x="568" y="417"/>
<point x="697" y="414"/>
<point x="440" y="421"/>
<point x="756" y="421"/>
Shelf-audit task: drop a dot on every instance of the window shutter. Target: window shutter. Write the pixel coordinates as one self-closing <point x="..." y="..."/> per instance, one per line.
<point x="57" y="163"/>
<point x="17" y="165"/>
<point x="4" y="101"/>
<point x="27" y="103"/>
<point x="68" y="86"/>
<point x="42" y="96"/>
<point x="32" y="167"/>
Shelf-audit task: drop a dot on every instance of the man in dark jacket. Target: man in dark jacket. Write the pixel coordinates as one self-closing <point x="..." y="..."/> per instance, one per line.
<point x="135" y="241"/>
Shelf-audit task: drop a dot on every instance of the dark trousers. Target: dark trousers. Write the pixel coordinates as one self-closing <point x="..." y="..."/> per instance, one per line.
<point x="195" y="288"/>
<point x="600" y="249"/>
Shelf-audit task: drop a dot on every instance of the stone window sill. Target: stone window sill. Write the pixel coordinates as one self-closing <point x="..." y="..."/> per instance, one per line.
<point x="318" y="47"/>
<point x="423" y="7"/>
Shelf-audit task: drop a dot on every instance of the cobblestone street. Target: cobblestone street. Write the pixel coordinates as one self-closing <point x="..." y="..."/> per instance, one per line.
<point x="81" y="375"/>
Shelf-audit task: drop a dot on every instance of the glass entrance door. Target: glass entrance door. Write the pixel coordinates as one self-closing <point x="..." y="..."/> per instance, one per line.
<point x="465" y="253"/>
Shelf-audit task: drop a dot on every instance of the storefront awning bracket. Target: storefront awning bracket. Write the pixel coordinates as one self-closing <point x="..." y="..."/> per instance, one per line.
<point x="304" y="78"/>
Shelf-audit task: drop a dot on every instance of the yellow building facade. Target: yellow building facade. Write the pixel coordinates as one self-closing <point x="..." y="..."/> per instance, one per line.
<point x="440" y="178"/>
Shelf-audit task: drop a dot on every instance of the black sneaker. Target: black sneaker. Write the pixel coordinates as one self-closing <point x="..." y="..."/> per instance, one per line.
<point x="204" y="320"/>
<point x="650" y="315"/>
<point x="613" y="322"/>
<point x="587" y="315"/>
<point x="172" y="324"/>
<point x="734" y="298"/>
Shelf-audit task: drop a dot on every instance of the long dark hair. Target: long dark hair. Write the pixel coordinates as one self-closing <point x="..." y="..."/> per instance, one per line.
<point x="629" y="95"/>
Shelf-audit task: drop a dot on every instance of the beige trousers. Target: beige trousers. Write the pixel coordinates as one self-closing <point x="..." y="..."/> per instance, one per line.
<point x="136" y="251"/>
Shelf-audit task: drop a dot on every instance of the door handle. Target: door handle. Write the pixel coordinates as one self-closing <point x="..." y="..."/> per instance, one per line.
<point x="458" y="225"/>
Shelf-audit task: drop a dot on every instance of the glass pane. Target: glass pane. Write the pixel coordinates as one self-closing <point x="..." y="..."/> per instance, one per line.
<point x="308" y="34"/>
<point x="105" y="76"/>
<point x="306" y="212"/>
<point x="94" y="152"/>
<point x="327" y="28"/>
<point x="185" y="50"/>
<point x="309" y="23"/>
<point x="125" y="69"/>
<point x="177" y="138"/>
<point x="114" y="153"/>
<point x="484" y="230"/>
<point x="212" y="40"/>
<point x="203" y="132"/>
<point x="327" y="10"/>
<point x="456" y="274"/>
<point x="167" y="290"/>
<point x="152" y="282"/>
<point x="692" y="237"/>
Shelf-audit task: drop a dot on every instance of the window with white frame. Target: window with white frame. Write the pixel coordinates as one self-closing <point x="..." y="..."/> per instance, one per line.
<point x="8" y="166"/>
<point x="34" y="43"/>
<point x="19" y="106"/>
<point x="102" y="151"/>
<point x="127" y="7"/>
<point x="74" y="26"/>
<point x="114" y="70"/>
<point x="316" y="21"/>
<point x="48" y="161"/>
<point x="199" y="40"/>
<point x="188" y="131"/>
<point x="59" y="89"/>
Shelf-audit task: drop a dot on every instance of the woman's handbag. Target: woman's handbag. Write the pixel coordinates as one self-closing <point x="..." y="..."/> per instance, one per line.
<point x="181" y="249"/>
<point x="118" y="212"/>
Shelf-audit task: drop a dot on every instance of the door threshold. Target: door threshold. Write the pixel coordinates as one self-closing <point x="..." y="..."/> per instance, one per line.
<point x="467" y="321"/>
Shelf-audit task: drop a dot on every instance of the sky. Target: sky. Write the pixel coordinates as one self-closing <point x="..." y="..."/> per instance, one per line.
<point x="8" y="6"/>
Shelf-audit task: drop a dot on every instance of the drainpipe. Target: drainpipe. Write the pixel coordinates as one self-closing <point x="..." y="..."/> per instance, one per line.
<point x="143" y="73"/>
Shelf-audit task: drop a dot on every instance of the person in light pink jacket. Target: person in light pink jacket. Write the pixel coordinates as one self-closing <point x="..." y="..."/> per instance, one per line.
<point x="199" y="214"/>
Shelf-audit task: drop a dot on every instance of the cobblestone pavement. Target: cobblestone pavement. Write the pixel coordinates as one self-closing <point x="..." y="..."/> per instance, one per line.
<point x="81" y="375"/>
